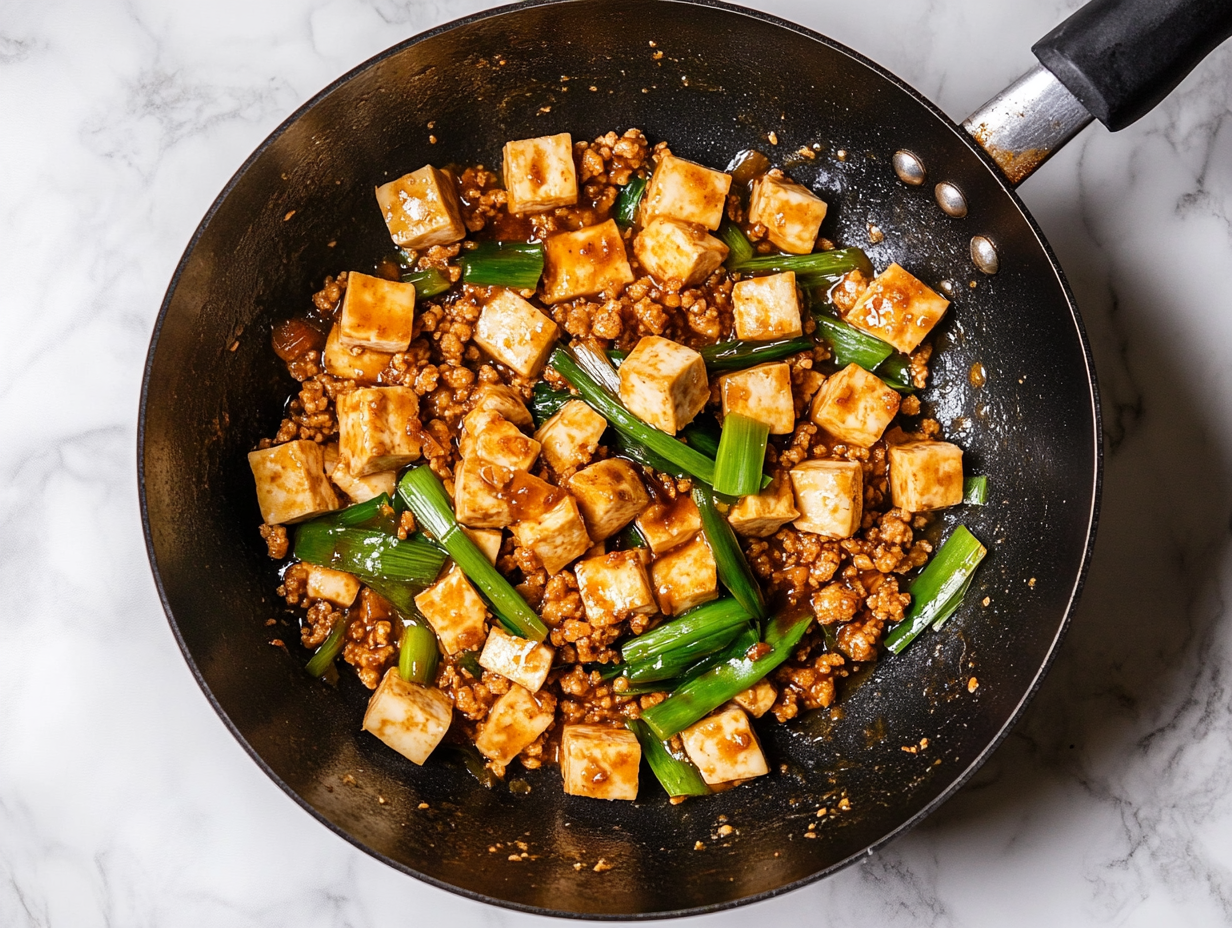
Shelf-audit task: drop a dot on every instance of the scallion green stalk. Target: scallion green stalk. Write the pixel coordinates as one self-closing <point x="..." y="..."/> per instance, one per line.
<point x="422" y="492"/>
<point x="598" y="365"/>
<point x="678" y="660"/>
<point x="368" y="553"/>
<point x="628" y="200"/>
<point x="737" y="355"/>
<point x="896" y="372"/>
<point x="376" y="513"/>
<point x="624" y="447"/>
<point x="734" y="570"/>
<point x="938" y="587"/>
<point x="812" y="269"/>
<point x="676" y="775"/>
<point x="324" y="656"/>
<point x="546" y="401"/>
<point x="696" y="624"/>
<point x="850" y="345"/>
<point x="742" y="454"/>
<point x="952" y="606"/>
<point x="418" y="653"/>
<point x="428" y="283"/>
<point x="975" y="491"/>
<point x="739" y="248"/>
<point x="516" y="265"/>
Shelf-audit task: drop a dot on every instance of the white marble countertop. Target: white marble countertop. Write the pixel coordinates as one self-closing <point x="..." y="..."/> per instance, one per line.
<point x="124" y="800"/>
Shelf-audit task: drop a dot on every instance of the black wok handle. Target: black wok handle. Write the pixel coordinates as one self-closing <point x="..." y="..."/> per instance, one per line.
<point x="1121" y="57"/>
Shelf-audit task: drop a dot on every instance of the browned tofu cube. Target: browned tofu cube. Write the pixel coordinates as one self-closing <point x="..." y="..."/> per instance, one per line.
<point x="496" y="397"/>
<point x="523" y="662"/>
<point x="377" y="314"/>
<point x="410" y="718"/>
<point x="766" y="308"/>
<point x="359" y="364"/>
<point x="664" y="383"/>
<point x="422" y="209"/>
<point x="571" y="436"/>
<point x="362" y="489"/>
<point x="666" y="525"/>
<point x="515" y="720"/>
<point x="683" y="190"/>
<point x="830" y="497"/>
<point x="291" y="482"/>
<point x="791" y="213"/>
<point x="539" y="174"/>
<point x="487" y="540"/>
<point x="685" y="576"/>
<point x="482" y="495"/>
<point x="491" y="437"/>
<point x="455" y="611"/>
<point x="557" y="535"/>
<point x="678" y="254"/>
<point x="898" y="308"/>
<point x="763" y="514"/>
<point x="762" y="393"/>
<point x="609" y="494"/>
<point x="614" y="586"/>
<point x="599" y="761"/>
<point x="724" y="747"/>
<point x="757" y="699"/>
<point x="583" y="263"/>
<point x="925" y="475"/>
<point x="515" y="333"/>
<point x="372" y="429"/>
<point x="333" y="586"/>
<point x="855" y="406"/>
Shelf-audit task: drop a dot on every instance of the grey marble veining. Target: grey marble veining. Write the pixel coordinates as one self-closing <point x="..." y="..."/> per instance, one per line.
<point x="125" y="802"/>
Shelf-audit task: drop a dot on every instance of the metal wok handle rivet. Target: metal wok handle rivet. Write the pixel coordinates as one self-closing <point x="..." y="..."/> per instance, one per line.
<point x="909" y="168"/>
<point x="984" y="254"/>
<point x="951" y="200"/>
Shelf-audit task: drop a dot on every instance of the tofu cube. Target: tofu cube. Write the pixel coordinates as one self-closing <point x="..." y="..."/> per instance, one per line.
<point x="515" y="720"/>
<point x="680" y="189"/>
<point x="359" y="364"/>
<point x="291" y="482"/>
<point x="481" y="494"/>
<point x="410" y="718"/>
<point x="333" y="586"/>
<point x="791" y="213"/>
<point x="377" y="314"/>
<point x="583" y="263"/>
<point x="724" y="747"/>
<point x="486" y="540"/>
<point x="898" y="308"/>
<point x="422" y="209"/>
<point x="372" y="429"/>
<point x="678" y="254"/>
<point x="855" y="406"/>
<point x="925" y="475"/>
<point x="496" y="397"/>
<point x="599" y="761"/>
<point x="455" y="612"/>
<point x="666" y="525"/>
<point x="515" y="333"/>
<point x="762" y="393"/>
<point x="830" y="497"/>
<point x="613" y="587"/>
<point x="664" y="383"/>
<point x="571" y="436"/>
<point x="524" y="662"/>
<point x="491" y="437"/>
<point x="609" y="494"/>
<point x="362" y="489"/>
<point x="685" y="577"/>
<point x="757" y="699"/>
<point x="557" y="536"/>
<point x="767" y="308"/>
<point x="540" y="174"/>
<point x="763" y="514"/>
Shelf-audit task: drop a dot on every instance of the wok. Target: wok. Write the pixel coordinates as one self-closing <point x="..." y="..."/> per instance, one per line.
<point x="727" y="79"/>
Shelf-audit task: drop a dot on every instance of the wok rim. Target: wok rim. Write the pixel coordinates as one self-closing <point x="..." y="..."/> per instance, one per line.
<point x="945" y="123"/>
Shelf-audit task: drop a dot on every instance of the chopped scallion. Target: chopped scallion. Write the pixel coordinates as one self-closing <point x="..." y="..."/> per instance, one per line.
<point x="598" y="365"/>
<point x="850" y="345"/>
<point x="324" y="656"/>
<point x="368" y="553"/>
<point x="734" y="570"/>
<point x="546" y="401"/>
<point x="428" y="283"/>
<point x="975" y="490"/>
<point x="737" y="355"/>
<point x="680" y="659"/>
<point x="694" y="625"/>
<point x="742" y="453"/>
<point x="516" y="265"/>
<point x="939" y="588"/>
<point x="896" y="372"/>
<point x="739" y="248"/>
<point x="676" y="775"/>
<point x="628" y="200"/>
<point x="812" y="269"/>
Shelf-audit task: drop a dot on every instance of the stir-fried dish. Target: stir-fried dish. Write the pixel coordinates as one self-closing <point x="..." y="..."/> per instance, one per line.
<point x="613" y="456"/>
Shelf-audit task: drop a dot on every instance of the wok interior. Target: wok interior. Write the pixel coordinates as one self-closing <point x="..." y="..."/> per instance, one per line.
<point x="1031" y="429"/>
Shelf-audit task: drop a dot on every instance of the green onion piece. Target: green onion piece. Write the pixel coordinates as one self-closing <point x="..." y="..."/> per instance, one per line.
<point x="739" y="248"/>
<point x="896" y="372"/>
<point x="678" y="660"/>
<point x="703" y="433"/>
<point x="610" y="408"/>
<point x="323" y="657"/>
<point x="545" y="402"/>
<point x="850" y="345"/>
<point x="745" y="638"/>
<point x="624" y="447"/>
<point x="811" y="270"/>
<point x="615" y="355"/>
<point x="699" y="622"/>
<point x="418" y="653"/>
<point x="975" y="490"/>
<point x="830" y="634"/>
<point x="742" y="454"/>
<point x="695" y="699"/>
<point x="516" y="265"/>
<point x="475" y="763"/>
<point x="368" y="553"/>
<point x="630" y="537"/>
<point x="737" y="355"/>
<point x="597" y="365"/>
<point x="428" y="283"/>
<point x="676" y="775"/>
<point x="376" y="513"/>
<point x="425" y="496"/>
<point x="469" y="661"/>
<point x="629" y="199"/>
<point x="938" y="587"/>
<point x="734" y="570"/>
<point x="952" y="606"/>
